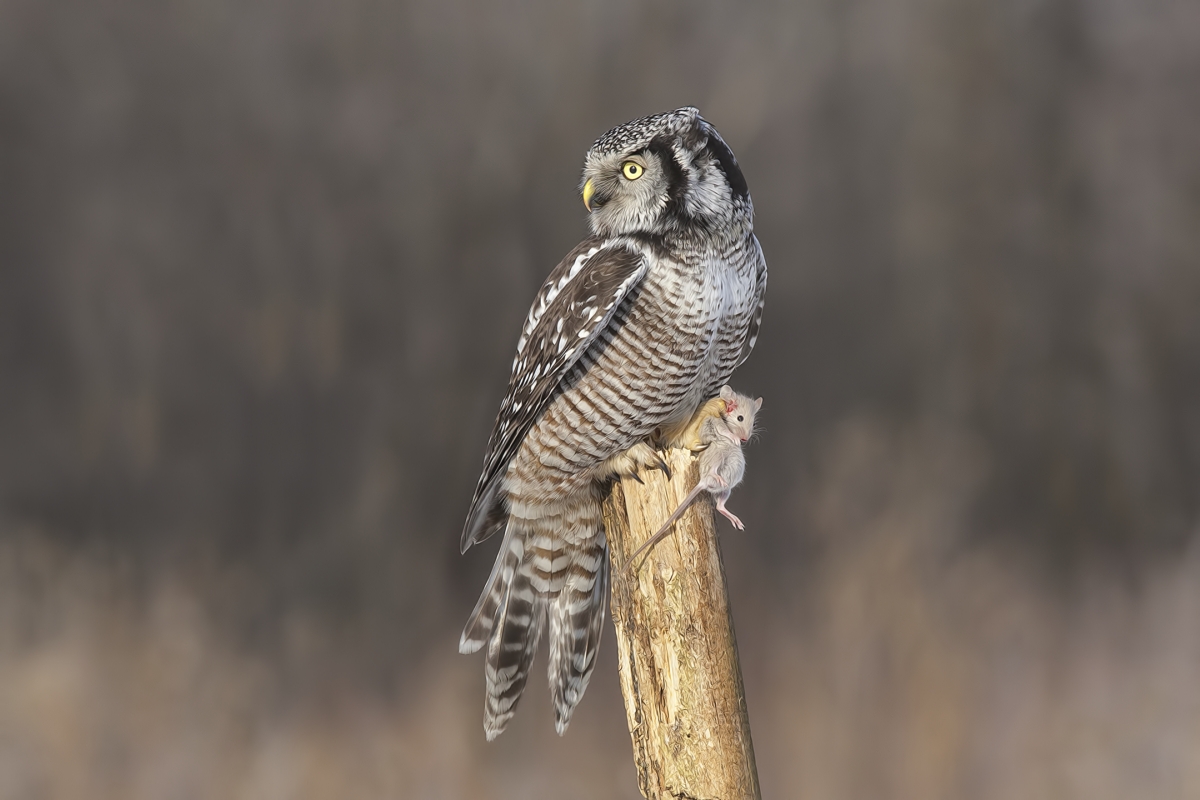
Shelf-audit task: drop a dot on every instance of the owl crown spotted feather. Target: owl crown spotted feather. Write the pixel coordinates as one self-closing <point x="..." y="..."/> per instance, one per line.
<point x="637" y="327"/>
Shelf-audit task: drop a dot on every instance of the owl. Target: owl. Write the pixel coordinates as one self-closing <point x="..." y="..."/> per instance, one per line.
<point x="640" y="324"/>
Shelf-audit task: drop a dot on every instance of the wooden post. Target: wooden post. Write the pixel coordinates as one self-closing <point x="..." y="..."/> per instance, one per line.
<point x="678" y="657"/>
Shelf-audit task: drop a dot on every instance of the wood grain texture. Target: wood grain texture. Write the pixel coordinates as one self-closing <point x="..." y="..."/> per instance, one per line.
<point x="679" y="668"/>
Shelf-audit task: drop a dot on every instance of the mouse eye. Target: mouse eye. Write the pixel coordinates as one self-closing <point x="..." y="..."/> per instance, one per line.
<point x="741" y="418"/>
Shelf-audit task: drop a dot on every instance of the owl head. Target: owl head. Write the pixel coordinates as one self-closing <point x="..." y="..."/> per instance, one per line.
<point x="669" y="173"/>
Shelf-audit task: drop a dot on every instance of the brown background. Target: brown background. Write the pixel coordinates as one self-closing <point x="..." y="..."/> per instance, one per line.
<point x="262" y="268"/>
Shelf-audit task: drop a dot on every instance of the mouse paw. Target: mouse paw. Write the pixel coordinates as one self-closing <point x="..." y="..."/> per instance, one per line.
<point x="729" y="515"/>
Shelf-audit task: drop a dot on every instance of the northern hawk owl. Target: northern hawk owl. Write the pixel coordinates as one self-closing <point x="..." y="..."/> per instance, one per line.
<point x="631" y="333"/>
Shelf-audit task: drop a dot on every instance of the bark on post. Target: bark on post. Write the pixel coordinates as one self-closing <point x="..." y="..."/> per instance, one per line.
<point x="679" y="669"/>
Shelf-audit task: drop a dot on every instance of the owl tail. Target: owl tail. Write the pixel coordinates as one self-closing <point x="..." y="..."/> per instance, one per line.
<point x="508" y="618"/>
<point x="576" y="622"/>
<point x="537" y="575"/>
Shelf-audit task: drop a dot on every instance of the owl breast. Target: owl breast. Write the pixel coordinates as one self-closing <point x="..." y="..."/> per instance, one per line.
<point x="696" y="315"/>
<point x="724" y="300"/>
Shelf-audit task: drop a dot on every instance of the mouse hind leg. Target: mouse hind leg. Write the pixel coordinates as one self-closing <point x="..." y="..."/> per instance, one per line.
<point x="725" y="512"/>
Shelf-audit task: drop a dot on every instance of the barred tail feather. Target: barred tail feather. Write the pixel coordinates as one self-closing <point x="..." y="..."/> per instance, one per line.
<point x="510" y="652"/>
<point x="576" y="618"/>
<point x="508" y="618"/>
<point x="479" y="625"/>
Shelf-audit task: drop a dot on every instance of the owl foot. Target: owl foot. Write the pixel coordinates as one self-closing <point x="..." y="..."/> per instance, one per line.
<point x="689" y="437"/>
<point x="640" y="456"/>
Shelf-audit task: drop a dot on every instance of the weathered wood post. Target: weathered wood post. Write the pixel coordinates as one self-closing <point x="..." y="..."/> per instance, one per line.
<point x="679" y="669"/>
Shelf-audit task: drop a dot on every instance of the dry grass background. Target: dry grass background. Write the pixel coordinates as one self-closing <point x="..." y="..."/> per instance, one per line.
<point x="261" y="269"/>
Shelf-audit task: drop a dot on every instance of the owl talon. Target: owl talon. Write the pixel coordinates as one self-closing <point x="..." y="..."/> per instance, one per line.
<point x="662" y="464"/>
<point x="655" y="460"/>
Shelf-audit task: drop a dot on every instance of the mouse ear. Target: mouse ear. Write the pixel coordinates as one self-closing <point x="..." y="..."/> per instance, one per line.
<point x="727" y="395"/>
<point x="758" y="404"/>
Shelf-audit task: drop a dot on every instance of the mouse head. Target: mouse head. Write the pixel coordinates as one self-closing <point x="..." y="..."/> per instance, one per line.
<point x="740" y="411"/>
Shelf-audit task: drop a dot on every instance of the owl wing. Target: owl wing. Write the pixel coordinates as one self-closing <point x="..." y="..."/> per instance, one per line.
<point x="574" y="305"/>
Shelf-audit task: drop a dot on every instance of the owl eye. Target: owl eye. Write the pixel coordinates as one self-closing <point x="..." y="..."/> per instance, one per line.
<point x="632" y="170"/>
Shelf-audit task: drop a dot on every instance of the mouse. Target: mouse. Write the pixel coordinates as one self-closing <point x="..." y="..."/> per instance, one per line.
<point x="722" y="462"/>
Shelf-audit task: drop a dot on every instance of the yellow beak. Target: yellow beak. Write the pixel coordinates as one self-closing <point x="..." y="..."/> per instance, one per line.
<point x="588" y="191"/>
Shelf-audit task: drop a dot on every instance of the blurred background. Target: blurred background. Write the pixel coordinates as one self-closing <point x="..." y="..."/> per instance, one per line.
<point x="262" y="269"/>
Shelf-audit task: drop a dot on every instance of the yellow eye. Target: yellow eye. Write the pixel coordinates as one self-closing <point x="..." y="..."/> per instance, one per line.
<point x="632" y="170"/>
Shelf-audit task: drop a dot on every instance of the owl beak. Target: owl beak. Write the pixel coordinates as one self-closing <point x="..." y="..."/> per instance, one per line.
<point x="591" y="199"/>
